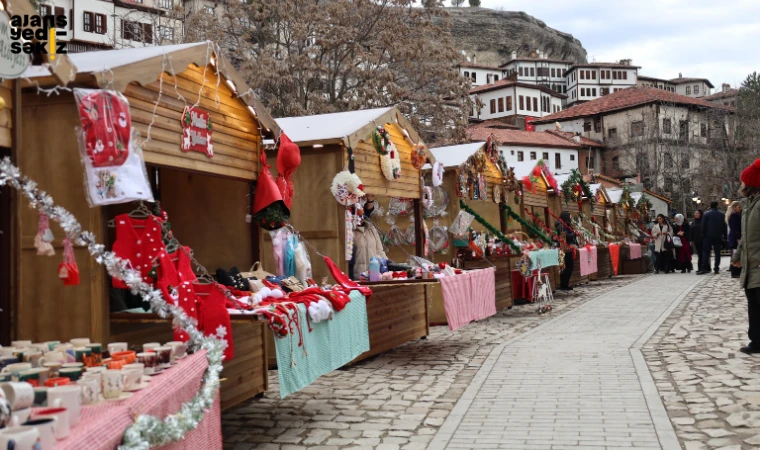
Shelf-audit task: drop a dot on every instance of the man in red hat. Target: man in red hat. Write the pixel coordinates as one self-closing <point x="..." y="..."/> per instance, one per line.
<point x="747" y="255"/>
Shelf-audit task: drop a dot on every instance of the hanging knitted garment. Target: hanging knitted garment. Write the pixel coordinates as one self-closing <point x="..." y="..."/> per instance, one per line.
<point x="138" y="245"/>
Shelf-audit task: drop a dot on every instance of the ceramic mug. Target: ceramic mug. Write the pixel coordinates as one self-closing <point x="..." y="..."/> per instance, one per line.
<point x="116" y="364"/>
<point x="72" y="365"/>
<point x="8" y="351"/>
<point x="80" y="353"/>
<point x="40" y="395"/>
<point x="115" y="347"/>
<point x="113" y="384"/>
<point x="70" y="398"/>
<point x="21" y="344"/>
<point x="80" y="342"/>
<point x="19" y="438"/>
<point x="5" y="410"/>
<point x="41" y="346"/>
<point x="72" y="373"/>
<point x="132" y="378"/>
<point x="21" y="416"/>
<point x="46" y="427"/>
<point x="7" y="359"/>
<point x="33" y="357"/>
<point x="128" y="356"/>
<point x="54" y="368"/>
<point x="61" y="415"/>
<point x="36" y="376"/>
<point x="14" y="369"/>
<point x="150" y="346"/>
<point x="90" y="390"/>
<point x="4" y="377"/>
<point x="51" y="345"/>
<point x="138" y="366"/>
<point x="53" y="356"/>
<point x="98" y="376"/>
<point x="149" y="360"/>
<point x="163" y="356"/>
<point x="19" y="395"/>
<point x="179" y="348"/>
<point x="57" y="381"/>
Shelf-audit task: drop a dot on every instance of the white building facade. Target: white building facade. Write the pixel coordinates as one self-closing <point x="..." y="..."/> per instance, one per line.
<point x="539" y="70"/>
<point x="692" y="87"/>
<point x="479" y="74"/>
<point x="586" y="82"/>
<point x="509" y="99"/>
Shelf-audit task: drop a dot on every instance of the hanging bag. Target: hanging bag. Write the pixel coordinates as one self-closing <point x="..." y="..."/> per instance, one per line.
<point x="677" y="242"/>
<point x="68" y="271"/>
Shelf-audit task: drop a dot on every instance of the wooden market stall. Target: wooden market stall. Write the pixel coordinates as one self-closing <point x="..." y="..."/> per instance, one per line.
<point x="487" y="206"/>
<point x="206" y="196"/>
<point x="558" y="204"/>
<point x="599" y="212"/>
<point x="330" y="143"/>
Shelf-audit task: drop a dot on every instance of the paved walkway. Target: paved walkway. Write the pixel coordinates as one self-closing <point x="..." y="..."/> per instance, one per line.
<point x="576" y="382"/>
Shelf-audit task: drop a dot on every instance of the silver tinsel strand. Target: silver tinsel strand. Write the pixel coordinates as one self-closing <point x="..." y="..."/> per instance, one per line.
<point x="147" y="431"/>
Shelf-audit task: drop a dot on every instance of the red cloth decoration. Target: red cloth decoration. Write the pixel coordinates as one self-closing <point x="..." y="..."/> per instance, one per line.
<point x="173" y="269"/>
<point x="751" y="175"/>
<point x="537" y="171"/>
<point x="344" y="281"/>
<point x="212" y="307"/>
<point x="186" y="301"/>
<point x="288" y="160"/>
<point x="107" y="127"/>
<point x="138" y="241"/>
<point x="68" y="271"/>
<point x="527" y="184"/>
<point x="615" y="256"/>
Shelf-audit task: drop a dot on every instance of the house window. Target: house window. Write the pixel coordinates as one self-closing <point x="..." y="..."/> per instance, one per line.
<point x="535" y="104"/>
<point x="532" y="156"/>
<point x="100" y="24"/>
<point x="703" y="130"/>
<point x="615" y="163"/>
<point x="696" y="89"/>
<point x="532" y="72"/>
<point x="598" y="126"/>
<point x="594" y="92"/>
<point x="587" y="126"/>
<point x="167" y="4"/>
<point x="612" y="133"/>
<point x="545" y="156"/>
<point x="495" y="78"/>
<point x="583" y="92"/>
<point x="521" y="71"/>
<point x="542" y="71"/>
<point x="167" y="35"/>
<point x="666" y="126"/>
<point x="59" y="12"/>
<point x="572" y="157"/>
<point x="509" y="103"/>
<point x="466" y="74"/>
<point x="668" y="160"/>
<point x="520" y="156"/>
<point x="685" y="162"/>
<point x="474" y="75"/>
<point x="688" y="90"/>
<point x="493" y="106"/>
<point x="87" y="19"/>
<point x="582" y="75"/>
<point x="614" y="75"/>
<point x="522" y="102"/>
<point x="637" y="128"/>
<point x="588" y="74"/>
<point x="683" y="130"/>
<point x="604" y="91"/>
<point x="501" y="105"/>
<point x="46" y="10"/>
<point x="527" y="107"/>
<point x="554" y="73"/>
<point x="625" y="75"/>
<point x="593" y="74"/>
<point x="557" y="161"/>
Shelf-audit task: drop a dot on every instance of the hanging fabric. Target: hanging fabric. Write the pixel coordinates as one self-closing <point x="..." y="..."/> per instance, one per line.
<point x="68" y="271"/>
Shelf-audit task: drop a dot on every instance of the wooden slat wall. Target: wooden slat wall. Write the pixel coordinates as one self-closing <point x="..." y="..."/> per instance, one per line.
<point x="46" y="310"/>
<point x="396" y="315"/>
<point x="537" y="196"/>
<point x="576" y="278"/>
<point x="6" y="114"/>
<point x="247" y="373"/>
<point x="604" y="263"/>
<point x="367" y="163"/>
<point x="236" y="135"/>
<point x="315" y="213"/>
<point x="207" y="214"/>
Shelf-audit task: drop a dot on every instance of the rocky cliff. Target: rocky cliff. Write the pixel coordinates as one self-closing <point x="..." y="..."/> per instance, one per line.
<point x="493" y="36"/>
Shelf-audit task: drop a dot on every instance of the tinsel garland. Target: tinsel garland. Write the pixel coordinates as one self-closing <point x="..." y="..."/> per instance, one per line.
<point x="499" y="235"/>
<point x="147" y="431"/>
<point x="532" y="229"/>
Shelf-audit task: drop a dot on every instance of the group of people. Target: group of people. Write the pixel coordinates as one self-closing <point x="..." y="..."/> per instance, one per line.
<point x="676" y="242"/>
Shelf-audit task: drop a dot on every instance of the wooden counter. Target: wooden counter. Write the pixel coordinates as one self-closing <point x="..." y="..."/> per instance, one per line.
<point x="576" y="278"/>
<point x="244" y="376"/>
<point x="604" y="263"/>
<point x="629" y="266"/>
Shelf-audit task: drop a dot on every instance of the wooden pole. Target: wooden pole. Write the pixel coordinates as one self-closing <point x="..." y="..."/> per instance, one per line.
<point x="419" y="231"/>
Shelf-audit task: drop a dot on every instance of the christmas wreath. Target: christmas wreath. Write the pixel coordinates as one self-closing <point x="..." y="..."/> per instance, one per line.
<point x="626" y="200"/>
<point x="381" y="139"/>
<point x="390" y="163"/>
<point x="644" y="205"/>
<point x="575" y="188"/>
<point x="419" y="155"/>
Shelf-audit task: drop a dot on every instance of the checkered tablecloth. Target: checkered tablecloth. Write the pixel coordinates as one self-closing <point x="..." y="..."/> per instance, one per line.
<point x="102" y="426"/>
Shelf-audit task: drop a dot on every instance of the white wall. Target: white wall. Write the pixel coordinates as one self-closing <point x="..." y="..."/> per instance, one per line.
<point x="515" y="92"/>
<point x="568" y="157"/>
<point x="481" y="75"/>
<point x="701" y="86"/>
<point x="593" y="80"/>
<point x="558" y="79"/>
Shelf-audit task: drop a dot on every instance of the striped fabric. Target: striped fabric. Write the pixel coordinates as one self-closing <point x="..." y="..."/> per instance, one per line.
<point x="469" y="296"/>
<point x="635" y="251"/>
<point x="588" y="259"/>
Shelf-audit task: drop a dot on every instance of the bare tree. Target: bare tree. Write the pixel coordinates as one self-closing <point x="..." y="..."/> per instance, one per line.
<point x="321" y="56"/>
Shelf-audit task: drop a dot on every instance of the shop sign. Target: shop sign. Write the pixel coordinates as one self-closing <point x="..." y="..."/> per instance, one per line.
<point x="196" y="131"/>
<point x="12" y="63"/>
<point x="529" y="124"/>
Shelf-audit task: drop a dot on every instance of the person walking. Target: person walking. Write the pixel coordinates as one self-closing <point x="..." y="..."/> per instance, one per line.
<point x="696" y="237"/>
<point x="572" y="242"/>
<point x="747" y="254"/>
<point x="662" y="233"/>
<point x="713" y="232"/>
<point x="683" y="253"/>
<point x="734" y="221"/>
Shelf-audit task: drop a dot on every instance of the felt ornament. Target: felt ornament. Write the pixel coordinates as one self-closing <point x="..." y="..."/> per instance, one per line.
<point x="437" y="173"/>
<point x="390" y="163"/>
<point x="269" y="210"/>
<point x="419" y="155"/>
<point x="44" y="237"/>
<point x="347" y="188"/>
<point x="288" y="160"/>
<point x="68" y="271"/>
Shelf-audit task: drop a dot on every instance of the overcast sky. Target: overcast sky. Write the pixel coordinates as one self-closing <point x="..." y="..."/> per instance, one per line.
<point x="718" y="40"/>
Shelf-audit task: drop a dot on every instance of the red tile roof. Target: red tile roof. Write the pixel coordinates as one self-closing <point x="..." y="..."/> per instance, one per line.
<point x="644" y="77"/>
<point x="520" y="137"/>
<point x="628" y="98"/>
<point x="691" y="80"/>
<point x="722" y="95"/>
<point x="479" y="66"/>
<point x="584" y="141"/>
<point x="496" y="123"/>
<point x="506" y="83"/>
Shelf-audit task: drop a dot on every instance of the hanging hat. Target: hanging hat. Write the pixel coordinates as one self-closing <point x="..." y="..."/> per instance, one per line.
<point x="751" y="175"/>
<point x="288" y="160"/>
<point x="347" y="188"/>
<point x="268" y="208"/>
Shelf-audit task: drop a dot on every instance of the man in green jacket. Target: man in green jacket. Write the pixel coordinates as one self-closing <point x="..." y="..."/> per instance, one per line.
<point x="747" y="255"/>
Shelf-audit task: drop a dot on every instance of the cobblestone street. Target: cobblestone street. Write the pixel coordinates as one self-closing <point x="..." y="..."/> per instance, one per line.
<point x="397" y="400"/>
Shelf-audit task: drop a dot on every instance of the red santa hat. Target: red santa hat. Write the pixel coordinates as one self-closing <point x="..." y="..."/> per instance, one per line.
<point x="288" y="160"/>
<point x="268" y="195"/>
<point x="751" y="175"/>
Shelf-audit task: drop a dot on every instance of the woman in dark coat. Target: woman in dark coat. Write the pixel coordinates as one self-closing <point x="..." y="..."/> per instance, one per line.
<point x="696" y="236"/>
<point x="572" y="241"/>
<point x="734" y="221"/>
<point x="683" y="253"/>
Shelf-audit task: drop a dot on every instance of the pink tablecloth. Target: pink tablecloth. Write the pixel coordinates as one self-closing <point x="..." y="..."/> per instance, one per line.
<point x="588" y="259"/>
<point x="469" y="296"/>
<point x="102" y="426"/>
<point x="635" y="251"/>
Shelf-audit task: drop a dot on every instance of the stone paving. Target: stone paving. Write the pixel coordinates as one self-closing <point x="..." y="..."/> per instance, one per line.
<point x="578" y="382"/>
<point x="396" y="400"/>
<point x="711" y="391"/>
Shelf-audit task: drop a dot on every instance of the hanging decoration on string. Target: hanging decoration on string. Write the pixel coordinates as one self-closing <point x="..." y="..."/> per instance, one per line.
<point x="497" y="193"/>
<point x="427" y="198"/>
<point x="575" y="188"/>
<point x="68" y="271"/>
<point x="498" y="234"/>
<point x="400" y="206"/>
<point x="419" y="155"/>
<point x="43" y="241"/>
<point x="269" y="210"/>
<point x="644" y="205"/>
<point x="196" y="131"/>
<point x="440" y="203"/>
<point x="113" y="164"/>
<point x="437" y="173"/>
<point x="347" y="189"/>
<point x="390" y="162"/>
<point x="533" y="230"/>
<point x="438" y="240"/>
<point x="511" y="184"/>
<point x="288" y="160"/>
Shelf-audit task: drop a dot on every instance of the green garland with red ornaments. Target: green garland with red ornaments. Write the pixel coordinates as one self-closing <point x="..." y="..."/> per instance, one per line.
<point x="499" y="235"/>
<point x="575" y="188"/>
<point x="532" y="229"/>
<point x="644" y="205"/>
<point x="626" y="199"/>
